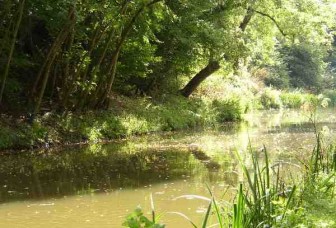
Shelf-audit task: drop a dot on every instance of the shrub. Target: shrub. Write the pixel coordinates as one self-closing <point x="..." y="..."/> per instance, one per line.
<point x="270" y="98"/>
<point x="296" y="99"/>
<point x="228" y="110"/>
<point x="331" y="94"/>
<point x="7" y="137"/>
<point x="292" y="100"/>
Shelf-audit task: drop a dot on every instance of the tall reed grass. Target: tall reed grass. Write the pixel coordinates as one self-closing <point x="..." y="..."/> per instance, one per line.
<point x="266" y="199"/>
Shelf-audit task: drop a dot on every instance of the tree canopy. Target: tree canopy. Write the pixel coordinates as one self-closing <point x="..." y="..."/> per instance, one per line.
<point x="73" y="55"/>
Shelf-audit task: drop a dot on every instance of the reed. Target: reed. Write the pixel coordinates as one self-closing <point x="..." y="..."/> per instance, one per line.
<point x="266" y="199"/>
<point x="263" y="193"/>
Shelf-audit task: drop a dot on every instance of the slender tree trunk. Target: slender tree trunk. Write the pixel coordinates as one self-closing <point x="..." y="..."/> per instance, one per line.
<point x="110" y="37"/>
<point x="67" y="78"/>
<point x="6" y="15"/>
<point x="5" y="37"/>
<point x="11" y="51"/>
<point x="54" y="80"/>
<point x="47" y="64"/>
<point x="121" y="41"/>
<point x="51" y="54"/>
<point x="93" y="99"/>
<point x="192" y="85"/>
<point x="44" y="83"/>
<point x="94" y="44"/>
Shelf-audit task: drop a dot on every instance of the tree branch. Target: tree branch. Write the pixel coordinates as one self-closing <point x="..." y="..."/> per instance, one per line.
<point x="272" y="19"/>
<point x="246" y="19"/>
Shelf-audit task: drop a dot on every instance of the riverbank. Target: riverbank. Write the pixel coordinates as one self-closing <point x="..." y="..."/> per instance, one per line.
<point x="138" y="116"/>
<point x="127" y="117"/>
<point x="99" y="176"/>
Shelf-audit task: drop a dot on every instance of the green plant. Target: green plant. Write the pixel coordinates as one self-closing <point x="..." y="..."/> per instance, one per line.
<point x="270" y="98"/>
<point x="227" y="110"/>
<point x="331" y="94"/>
<point x="7" y="137"/>
<point x="239" y="209"/>
<point x="138" y="220"/>
<point x="265" y="193"/>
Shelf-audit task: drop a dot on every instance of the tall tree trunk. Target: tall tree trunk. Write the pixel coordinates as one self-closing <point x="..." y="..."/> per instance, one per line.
<point x="11" y="51"/>
<point x="98" y="97"/>
<point x="52" y="54"/>
<point x="67" y="77"/>
<point x="121" y="41"/>
<point x="211" y="68"/>
<point x="6" y="15"/>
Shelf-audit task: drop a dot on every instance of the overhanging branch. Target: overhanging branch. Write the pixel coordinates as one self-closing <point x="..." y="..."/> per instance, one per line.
<point x="272" y="19"/>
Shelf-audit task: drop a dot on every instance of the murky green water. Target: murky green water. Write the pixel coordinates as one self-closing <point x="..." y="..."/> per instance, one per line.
<point x="98" y="185"/>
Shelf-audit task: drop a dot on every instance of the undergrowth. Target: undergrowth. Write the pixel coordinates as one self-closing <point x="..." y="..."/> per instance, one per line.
<point x="136" y="116"/>
<point x="126" y="117"/>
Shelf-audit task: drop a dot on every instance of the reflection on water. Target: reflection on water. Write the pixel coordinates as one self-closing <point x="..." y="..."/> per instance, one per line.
<point x="98" y="185"/>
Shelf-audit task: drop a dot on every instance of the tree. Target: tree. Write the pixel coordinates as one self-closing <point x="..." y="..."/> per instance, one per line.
<point x="72" y="54"/>
<point x="264" y="22"/>
<point x="16" y="23"/>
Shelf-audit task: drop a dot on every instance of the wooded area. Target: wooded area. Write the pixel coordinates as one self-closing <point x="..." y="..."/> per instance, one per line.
<point x="75" y="55"/>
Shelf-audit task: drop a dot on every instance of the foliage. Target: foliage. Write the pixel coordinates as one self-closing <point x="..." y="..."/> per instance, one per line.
<point x="296" y="99"/>
<point x="69" y="55"/>
<point x="228" y="110"/>
<point x="137" y="220"/>
<point x="7" y="138"/>
<point x="129" y="117"/>
<point x="270" y="98"/>
<point x="305" y="66"/>
<point x="278" y="78"/>
<point x="331" y="94"/>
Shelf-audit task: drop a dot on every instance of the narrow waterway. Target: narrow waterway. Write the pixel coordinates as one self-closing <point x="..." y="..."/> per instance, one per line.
<point x="98" y="185"/>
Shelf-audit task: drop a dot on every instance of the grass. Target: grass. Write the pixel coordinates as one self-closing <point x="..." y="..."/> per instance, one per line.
<point x="217" y="101"/>
<point x="127" y="117"/>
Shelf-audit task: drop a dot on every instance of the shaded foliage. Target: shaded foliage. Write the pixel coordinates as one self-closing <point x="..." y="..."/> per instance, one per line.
<point x="68" y="55"/>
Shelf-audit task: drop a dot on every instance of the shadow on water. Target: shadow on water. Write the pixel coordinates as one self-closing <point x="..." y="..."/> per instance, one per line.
<point x="205" y="156"/>
<point x="91" y="170"/>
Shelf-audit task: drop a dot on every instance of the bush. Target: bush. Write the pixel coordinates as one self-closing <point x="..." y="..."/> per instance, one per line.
<point x="296" y="99"/>
<point x="331" y="94"/>
<point x="277" y="77"/>
<point x="7" y="138"/>
<point x="270" y="99"/>
<point x="227" y="110"/>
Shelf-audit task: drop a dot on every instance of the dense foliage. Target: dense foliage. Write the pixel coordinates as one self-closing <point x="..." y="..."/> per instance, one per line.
<point x="75" y="55"/>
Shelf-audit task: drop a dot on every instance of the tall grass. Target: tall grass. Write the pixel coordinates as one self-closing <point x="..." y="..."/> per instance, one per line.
<point x="266" y="200"/>
<point x="263" y="193"/>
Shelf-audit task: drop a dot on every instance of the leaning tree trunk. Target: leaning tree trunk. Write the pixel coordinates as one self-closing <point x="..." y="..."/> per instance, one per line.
<point x="213" y="66"/>
<point x="192" y="85"/>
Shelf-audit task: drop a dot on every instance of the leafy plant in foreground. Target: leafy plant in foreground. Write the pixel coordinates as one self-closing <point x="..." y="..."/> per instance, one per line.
<point x="137" y="220"/>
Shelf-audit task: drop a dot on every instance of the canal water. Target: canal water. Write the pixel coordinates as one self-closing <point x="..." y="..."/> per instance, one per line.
<point x="99" y="185"/>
